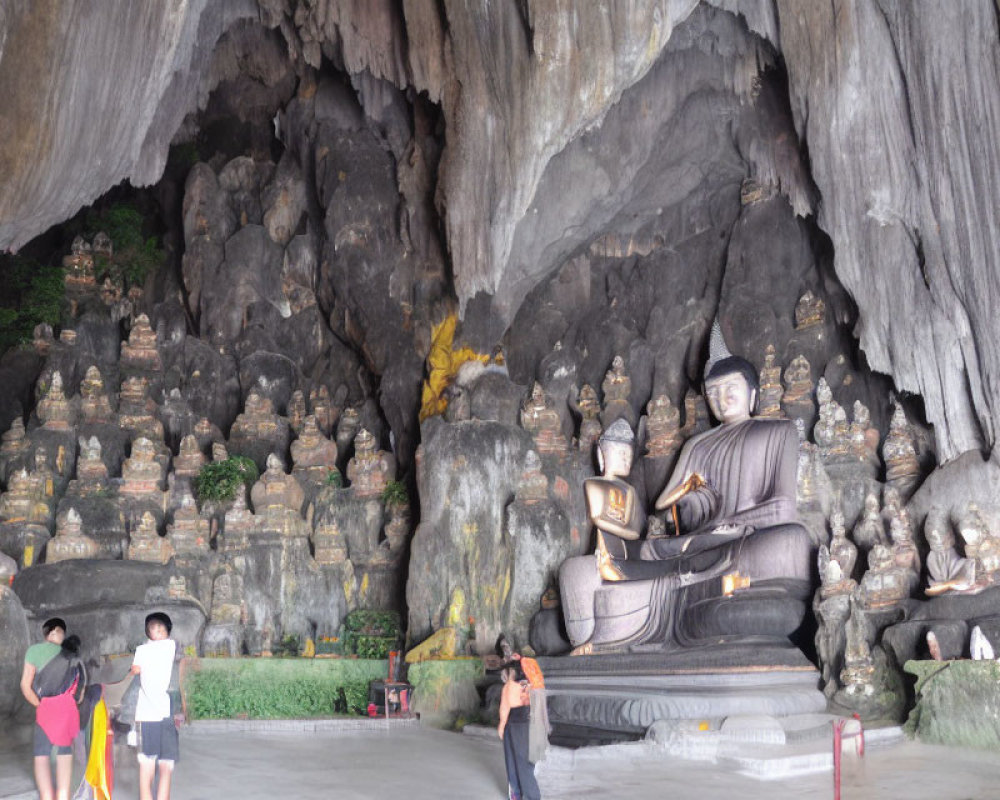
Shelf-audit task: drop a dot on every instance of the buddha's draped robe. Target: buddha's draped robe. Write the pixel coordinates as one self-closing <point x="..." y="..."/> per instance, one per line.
<point x="750" y="473"/>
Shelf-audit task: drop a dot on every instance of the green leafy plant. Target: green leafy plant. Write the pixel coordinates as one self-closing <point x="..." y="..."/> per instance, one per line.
<point x="395" y="493"/>
<point x="268" y="688"/>
<point x="183" y="156"/>
<point x="352" y="698"/>
<point x="376" y="623"/>
<point x="30" y="293"/>
<point x="220" y="480"/>
<point x="334" y="478"/>
<point x="371" y="634"/>
<point x="134" y="255"/>
<point x="290" y="646"/>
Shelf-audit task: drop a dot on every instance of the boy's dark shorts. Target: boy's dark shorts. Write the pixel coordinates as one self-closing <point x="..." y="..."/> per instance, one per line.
<point x="43" y="747"/>
<point x="159" y="740"/>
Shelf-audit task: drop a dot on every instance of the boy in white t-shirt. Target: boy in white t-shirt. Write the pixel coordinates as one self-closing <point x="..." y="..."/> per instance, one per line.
<point x="158" y="740"/>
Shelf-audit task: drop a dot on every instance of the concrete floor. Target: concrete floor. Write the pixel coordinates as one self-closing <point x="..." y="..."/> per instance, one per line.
<point x="407" y="760"/>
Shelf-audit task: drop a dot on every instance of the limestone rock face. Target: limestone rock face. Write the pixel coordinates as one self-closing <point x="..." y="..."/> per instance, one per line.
<point x="105" y="602"/>
<point x="165" y="47"/>
<point x="16" y="639"/>
<point x="892" y="163"/>
<point x="486" y="533"/>
<point x="460" y="542"/>
<point x="519" y="190"/>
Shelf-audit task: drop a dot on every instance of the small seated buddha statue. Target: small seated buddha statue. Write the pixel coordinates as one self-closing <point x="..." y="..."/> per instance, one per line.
<point x="533" y="486"/>
<point x="809" y="311"/>
<point x="771" y="390"/>
<point x="617" y="387"/>
<point x="189" y="459"/>
<point x="146" y="544"/>
<point x="904" y="550"/>
<point x="834" y="582"/>
<point x="864" y="437"/>
<point x="297" y="411"/>
<point x="980" y="546"/>
<point x="94" y="403"/>
<point x="54" y="410"/>
<point x="797" y="401"/>
<point x="589" y="409"/>
<point x="947" y="571"/>
<point x="885" y="584"/>
<point x="870" y="530"/>
<point x="70" y="542"/>
<point x="370" y="469"/>
<point x="14" y="447"/>
<point x="541" y="420"/>
<point x="140" y="351"/>
<point x="902" y="467"/>
<point x="663" y="428"/>
<point x="313" y="455"/>
<point x="323" y="409"/>
<point x="276" y="492"/>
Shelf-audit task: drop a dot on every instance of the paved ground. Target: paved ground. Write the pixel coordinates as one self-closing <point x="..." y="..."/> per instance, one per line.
<point x="407" y="760"/>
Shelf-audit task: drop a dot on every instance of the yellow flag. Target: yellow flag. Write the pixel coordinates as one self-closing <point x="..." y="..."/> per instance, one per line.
<point x="98" y="774"/>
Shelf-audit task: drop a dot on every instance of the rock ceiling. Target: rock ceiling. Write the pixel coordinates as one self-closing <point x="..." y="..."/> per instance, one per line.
<point x="563" y="122"/>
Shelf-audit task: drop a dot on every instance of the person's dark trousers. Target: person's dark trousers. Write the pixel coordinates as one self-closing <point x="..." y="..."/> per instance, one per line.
<point x="520" y="771"/>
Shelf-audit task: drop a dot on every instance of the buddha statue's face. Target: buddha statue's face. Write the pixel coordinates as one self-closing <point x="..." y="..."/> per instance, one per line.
<point x="940" y="538"/>
<point x="615" y="459"/>
<point x="729" y="397"/>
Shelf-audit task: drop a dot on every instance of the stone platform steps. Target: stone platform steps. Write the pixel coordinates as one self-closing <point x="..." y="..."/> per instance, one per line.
<point x="763" y="748"/>
<point x="766" y="748"/>
<point x="587" y="708"/>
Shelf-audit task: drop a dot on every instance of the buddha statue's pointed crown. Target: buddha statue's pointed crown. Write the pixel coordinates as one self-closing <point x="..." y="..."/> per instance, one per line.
<point x="717" y="348"/>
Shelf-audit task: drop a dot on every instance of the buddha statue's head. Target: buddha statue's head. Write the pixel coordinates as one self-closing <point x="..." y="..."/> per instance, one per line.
<point x="971" y="527"/>
<point x="899" y="530"/>
<point x="274" y="465"/>
<point x="614" y="449"/>
<point x="731" y="389"/>
<point x="879" y="557"/>
<point x="938" y="533"/>
<point x="871" y="505"/>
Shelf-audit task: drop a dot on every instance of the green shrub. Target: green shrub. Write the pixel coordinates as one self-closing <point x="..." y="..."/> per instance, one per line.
<point x="376" y="623"/>
<point x="371" y="634"/>
<point x="219" y="481"/>
<point x="290" y="646"/>
<point x="335" y="479"/>
<point x="30" y="293"/>
<point x="395" y="493"/>
<point x="267" y="688"/>
<point x="352" y="698"/>
<point x="183" y="156"/>
<point x="135" y="255"/>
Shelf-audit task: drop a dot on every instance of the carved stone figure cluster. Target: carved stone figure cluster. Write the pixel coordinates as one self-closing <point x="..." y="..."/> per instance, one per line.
<point x="93" y="475"/>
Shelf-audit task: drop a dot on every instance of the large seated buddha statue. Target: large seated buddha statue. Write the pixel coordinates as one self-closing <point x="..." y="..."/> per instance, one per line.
<point x="739" y="563"/>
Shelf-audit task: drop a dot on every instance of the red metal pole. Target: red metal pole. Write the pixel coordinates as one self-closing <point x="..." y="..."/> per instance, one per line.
<point x="838" y="728"/>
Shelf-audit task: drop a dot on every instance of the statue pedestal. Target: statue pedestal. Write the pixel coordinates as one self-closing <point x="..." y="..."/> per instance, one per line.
<point x="600" y="698"/>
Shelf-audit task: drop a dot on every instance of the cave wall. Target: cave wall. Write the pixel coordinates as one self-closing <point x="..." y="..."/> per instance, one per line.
<point x="905" y="164"/>
<point x="900" y="164"/>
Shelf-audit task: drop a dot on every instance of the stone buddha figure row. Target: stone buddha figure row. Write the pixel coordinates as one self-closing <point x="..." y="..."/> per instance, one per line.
<point x="894" y="565"/>
<point x="665" y="434"/>
<point x="840" y="442"/>
<point x="837" y="440"/>
<point x="31" y="496"/>
<point x="80" y="276"/>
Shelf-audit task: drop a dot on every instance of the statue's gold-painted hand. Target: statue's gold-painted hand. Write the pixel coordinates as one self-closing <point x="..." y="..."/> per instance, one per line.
<point x="691" y="483"/>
